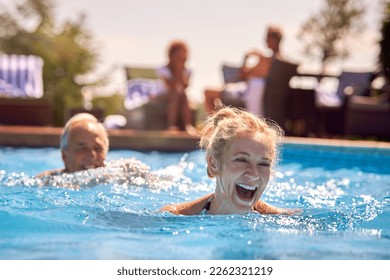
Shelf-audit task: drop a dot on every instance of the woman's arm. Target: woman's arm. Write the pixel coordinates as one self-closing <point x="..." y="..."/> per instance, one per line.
<point x="264" y="208"/>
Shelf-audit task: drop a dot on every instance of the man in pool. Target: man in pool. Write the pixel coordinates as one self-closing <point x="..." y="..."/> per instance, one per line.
<point x="84" y="145"/>
<point x="240" y="152"/>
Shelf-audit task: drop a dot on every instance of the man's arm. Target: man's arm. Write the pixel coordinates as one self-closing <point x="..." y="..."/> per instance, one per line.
<point x="50" y="173"/>
<point x="260" y="70"/>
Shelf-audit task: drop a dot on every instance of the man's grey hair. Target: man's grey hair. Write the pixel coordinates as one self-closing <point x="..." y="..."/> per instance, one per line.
<point x="85" y="117"/>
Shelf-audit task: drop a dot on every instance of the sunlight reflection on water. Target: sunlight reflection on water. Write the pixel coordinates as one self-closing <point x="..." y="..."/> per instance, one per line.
<point x="118" y="216"/>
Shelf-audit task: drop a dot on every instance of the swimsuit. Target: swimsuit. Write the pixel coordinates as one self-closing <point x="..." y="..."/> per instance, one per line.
<point x="206" y="207"/>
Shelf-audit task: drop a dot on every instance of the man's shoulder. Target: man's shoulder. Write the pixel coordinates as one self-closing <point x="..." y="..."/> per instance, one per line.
<point x="50" y="173"/>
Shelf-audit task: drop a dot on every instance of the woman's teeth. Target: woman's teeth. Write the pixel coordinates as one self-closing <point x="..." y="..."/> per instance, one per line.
<point x="247" y="187"/>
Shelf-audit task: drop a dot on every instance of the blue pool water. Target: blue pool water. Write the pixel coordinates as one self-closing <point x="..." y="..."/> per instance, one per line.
<point x="344" y="194"/>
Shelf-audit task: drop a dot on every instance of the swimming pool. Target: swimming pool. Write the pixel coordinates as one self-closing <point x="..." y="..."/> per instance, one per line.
<point x="344" y="194"/>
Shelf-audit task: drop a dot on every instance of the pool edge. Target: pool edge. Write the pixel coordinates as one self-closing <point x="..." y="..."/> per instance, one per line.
<point x="161" y="140"/>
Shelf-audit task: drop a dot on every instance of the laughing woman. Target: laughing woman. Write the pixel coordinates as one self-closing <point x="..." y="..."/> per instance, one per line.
<point x="241" y="150"/>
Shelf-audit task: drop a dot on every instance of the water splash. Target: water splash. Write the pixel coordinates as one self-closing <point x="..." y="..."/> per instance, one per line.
<point x="135" y="188"/>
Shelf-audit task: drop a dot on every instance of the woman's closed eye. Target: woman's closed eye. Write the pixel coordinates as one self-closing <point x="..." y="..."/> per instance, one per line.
<point x="243" y="160"/>
<point x="266" y="164"/>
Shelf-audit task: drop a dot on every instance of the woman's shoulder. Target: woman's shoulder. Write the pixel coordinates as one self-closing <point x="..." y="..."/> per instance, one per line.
<point x="188" y="208"/>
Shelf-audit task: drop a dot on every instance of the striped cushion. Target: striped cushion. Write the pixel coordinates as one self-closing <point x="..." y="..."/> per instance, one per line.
<point x="140" y="91"/>
<point x="21" y="76"/>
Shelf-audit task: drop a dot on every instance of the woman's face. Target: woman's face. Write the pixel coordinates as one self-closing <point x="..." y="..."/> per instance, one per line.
<point x="179" y="57"/>
<point x="243" y="172"/>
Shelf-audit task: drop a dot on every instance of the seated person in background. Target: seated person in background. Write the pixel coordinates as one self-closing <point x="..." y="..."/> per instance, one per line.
<point x="176" y="79"/>
<point x="84" y="144"/>
<point x="240" y="152"/>
<point x="252" y="88"/>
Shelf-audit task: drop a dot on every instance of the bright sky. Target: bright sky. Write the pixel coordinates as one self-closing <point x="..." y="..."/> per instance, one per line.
<point x="137" y="32"/>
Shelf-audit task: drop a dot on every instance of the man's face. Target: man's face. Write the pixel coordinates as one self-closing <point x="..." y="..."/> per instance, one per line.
<point x="87" y="147"/>
<point x="272" y="42"/>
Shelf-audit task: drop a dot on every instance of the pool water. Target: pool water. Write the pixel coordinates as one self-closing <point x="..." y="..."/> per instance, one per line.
<point x="344" y="194"/>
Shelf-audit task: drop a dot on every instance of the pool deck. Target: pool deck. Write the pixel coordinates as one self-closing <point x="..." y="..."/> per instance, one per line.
<point x="38" y="136"/>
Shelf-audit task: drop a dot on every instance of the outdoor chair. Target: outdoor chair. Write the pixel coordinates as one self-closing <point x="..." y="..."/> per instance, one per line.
<point x="331" y="106"/>
<point x="26" y="111"/>
<point x="21" y="92"/>
<point x="301" y="112"/>
<point x="144" y="109"/>
<point x="231" y="74"/>
<point x="368" y="116"/>
<point x="276" y="90"/>
<point x="21" y="76"/>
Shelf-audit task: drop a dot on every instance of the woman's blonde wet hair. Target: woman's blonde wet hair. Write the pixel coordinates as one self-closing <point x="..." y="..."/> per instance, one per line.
<point x="225" y="124"/>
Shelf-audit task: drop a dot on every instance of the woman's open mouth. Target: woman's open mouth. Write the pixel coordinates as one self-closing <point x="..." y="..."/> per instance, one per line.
<point x="246" y="192"/>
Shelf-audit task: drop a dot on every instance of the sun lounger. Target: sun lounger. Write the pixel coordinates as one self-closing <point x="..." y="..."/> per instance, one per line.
<point x="144" y="109"/>
<point x="331" y="106"/>
<point x="21" y="91"/>
<point x="368" y="116"/>
<point x="21" y="76"/>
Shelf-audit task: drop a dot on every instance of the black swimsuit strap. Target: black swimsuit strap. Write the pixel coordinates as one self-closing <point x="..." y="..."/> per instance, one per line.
<point x="207" y="206"/>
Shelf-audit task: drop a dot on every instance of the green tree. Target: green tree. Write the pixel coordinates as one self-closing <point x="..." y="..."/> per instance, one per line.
<point x="67" y="49"/>
<point x="324" y="33"/>
<point x="384" y="55"/>
<point x="112" y="104"/>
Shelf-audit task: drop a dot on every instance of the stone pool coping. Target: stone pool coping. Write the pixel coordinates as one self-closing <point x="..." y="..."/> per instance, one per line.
<point x="161" y="140"/>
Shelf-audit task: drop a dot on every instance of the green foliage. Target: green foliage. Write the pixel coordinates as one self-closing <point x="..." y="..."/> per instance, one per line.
<point x="384" y="55"/>
<point x="324" y="33"/>
<point x="113" y="104"/>
<point x="67" y="49"/>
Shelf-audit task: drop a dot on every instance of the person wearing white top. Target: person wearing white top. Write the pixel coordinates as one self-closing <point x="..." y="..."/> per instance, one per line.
<point x="176" y="78"/>
<point x="251" y="89"/>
